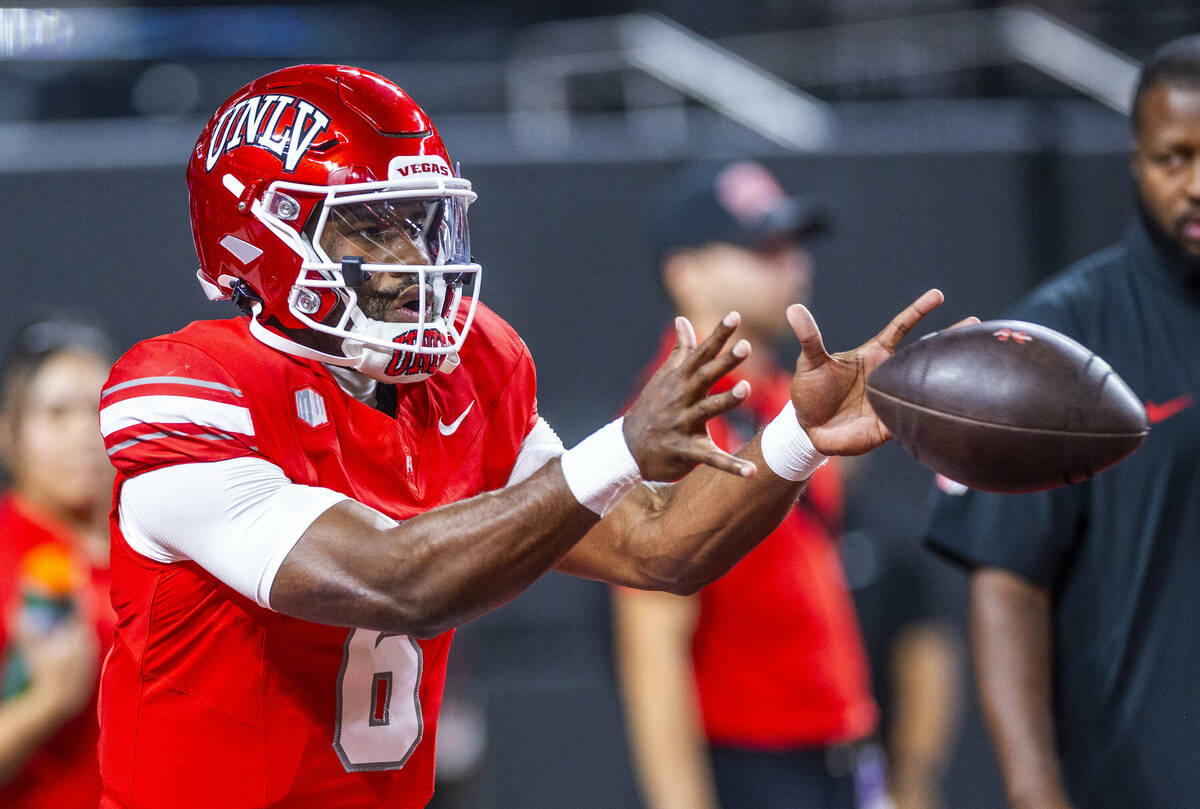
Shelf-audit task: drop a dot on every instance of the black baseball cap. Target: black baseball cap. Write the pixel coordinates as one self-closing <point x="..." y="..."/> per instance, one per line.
<point x="39" y="339"/>
<point x="738" y="203"/>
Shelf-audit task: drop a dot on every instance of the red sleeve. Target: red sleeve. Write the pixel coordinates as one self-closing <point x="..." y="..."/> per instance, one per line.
<point x="525" y="375"/>
<point x="533" y="416"/>
<point x="167" y="403"/>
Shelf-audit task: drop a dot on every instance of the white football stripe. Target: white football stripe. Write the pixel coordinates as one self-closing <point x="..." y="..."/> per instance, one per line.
<point x="175" y="410"/>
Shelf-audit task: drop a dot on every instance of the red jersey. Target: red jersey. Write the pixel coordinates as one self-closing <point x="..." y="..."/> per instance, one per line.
<point x="63" y="773"/>
<point x="209" y="700"/>
<point x="777" y="653"/>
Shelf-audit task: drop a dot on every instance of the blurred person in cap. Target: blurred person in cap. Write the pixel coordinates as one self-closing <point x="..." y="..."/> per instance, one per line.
<point x="1084" y="616"/>
<point x="755" y="691"/>
<point x="54" y="585"/>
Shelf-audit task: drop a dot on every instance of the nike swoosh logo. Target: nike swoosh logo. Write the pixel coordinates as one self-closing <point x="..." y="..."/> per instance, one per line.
<point x="1157" y="413"/>
<point x="448" y="429"/>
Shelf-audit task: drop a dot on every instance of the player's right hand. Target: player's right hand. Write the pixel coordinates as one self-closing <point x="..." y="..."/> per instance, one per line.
<point x="829" y="390"/>
<point x="666" y="426"/>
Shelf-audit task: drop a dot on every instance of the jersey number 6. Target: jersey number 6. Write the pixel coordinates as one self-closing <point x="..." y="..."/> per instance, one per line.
<point x="378" y="708"/>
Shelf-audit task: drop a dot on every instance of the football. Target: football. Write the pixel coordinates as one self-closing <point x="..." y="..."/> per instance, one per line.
<point x="1007" y="406"/>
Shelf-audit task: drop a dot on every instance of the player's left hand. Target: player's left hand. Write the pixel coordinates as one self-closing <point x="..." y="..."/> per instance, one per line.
<point x="666" y="426"/>
<point x="829" y="390"/>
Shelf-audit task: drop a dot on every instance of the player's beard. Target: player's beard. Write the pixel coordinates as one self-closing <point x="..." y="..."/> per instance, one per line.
<point x="379" y="305"/>
<point x="383" y="317"/>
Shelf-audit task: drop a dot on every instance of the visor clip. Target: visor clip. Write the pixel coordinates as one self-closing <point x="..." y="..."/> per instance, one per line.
<point x="244" y="297"/>
<point x="352" y="271"/>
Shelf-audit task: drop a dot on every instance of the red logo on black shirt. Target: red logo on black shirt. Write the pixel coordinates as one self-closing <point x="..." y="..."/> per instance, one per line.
<point x="1157" y="413"/>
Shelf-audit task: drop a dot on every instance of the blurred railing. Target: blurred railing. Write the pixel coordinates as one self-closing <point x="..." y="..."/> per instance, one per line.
<point x="632" y="86"/>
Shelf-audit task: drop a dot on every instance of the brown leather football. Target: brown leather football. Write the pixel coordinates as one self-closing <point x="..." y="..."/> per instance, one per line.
<point x="1007" y="406"/>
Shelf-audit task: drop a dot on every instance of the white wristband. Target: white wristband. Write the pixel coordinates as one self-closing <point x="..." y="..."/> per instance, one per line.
<point x="600" y="469"/>
<point x="787" y="449"/>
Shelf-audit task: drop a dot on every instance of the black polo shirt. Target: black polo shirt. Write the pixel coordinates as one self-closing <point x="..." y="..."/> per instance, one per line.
<point x="1120" y="552"/>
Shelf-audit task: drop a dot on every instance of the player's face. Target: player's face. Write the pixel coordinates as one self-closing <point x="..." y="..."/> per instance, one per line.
<point x="1166" y="162"/>
<point x="55" y="449"/>
<point x="390" y="232"/>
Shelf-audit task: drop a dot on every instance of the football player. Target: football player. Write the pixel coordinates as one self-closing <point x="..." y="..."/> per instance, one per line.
<point x="311" y="497"/>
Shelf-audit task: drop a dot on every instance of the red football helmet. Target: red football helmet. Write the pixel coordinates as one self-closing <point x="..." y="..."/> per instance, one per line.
<point x="305" y="187"/>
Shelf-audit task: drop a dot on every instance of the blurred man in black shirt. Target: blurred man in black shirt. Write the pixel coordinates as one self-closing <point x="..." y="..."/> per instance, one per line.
<point x="1084" y="615"/>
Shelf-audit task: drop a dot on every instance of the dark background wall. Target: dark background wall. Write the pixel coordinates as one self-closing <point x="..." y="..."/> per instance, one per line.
<point x="567" y="251"/>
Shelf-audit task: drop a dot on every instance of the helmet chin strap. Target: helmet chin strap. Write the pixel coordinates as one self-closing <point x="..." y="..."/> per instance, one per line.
<point x="281" y="343"/>
<point x="365" y="358"/>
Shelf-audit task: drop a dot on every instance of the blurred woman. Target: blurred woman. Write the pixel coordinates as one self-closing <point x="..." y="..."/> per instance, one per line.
<point x="54" y="588"/>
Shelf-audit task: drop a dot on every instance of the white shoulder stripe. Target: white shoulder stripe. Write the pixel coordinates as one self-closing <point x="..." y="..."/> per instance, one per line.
<point x="170" y="380"/>
<point x="175" y="410"/>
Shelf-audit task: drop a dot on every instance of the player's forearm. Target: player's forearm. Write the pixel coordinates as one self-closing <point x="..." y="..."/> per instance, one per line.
<point x="436" y="570"/>
<point x="691" y="534"/>
<point x="712" y="520"/>
<point x="1011" y="641"/>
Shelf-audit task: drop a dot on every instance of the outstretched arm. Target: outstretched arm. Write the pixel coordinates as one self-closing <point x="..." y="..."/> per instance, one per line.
<point x="680" y="538"/>
<point x="439" y="569"/>
<point x="354" y="567"/>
